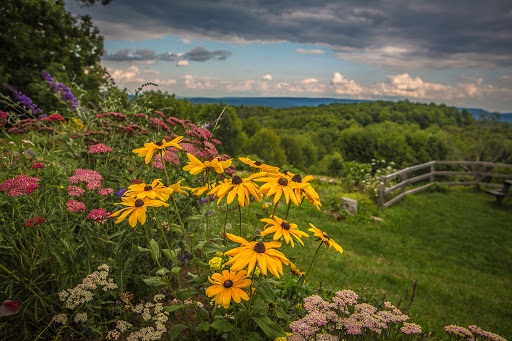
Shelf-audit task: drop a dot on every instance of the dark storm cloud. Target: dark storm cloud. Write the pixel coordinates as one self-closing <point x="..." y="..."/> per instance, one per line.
<point x="198" y="54"/>
<point x="435" y="29"/>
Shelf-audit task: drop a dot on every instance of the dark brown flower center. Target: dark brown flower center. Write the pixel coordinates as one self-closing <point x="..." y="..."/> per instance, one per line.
<point x="297" y="178"/>
<point x="326" y="236"/>
<point x="259" y="247"/>
<point x="228" y="283"/>
<point x="139" y="203"/>
<point x="282" y="182"/>
<point x="285" y="225"/>
<point x="159" y="143"/>
<point x="257" y="163"/>
<point x="147" y="188"/>
<point x="236" y="180"/>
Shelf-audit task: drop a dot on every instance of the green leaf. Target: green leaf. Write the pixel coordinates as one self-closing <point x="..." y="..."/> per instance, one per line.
<point x="203" y="326"/>
<point x="271" y="329"/>
<point x="251" y="336"/>
<point x="172" y="308"/>
<point x="202" y="313"/>
<point x="176" y="270"/>
<point x="222" y="325"/>
<point x="170" y="254"/>
<point x="260" y="308"/>
<point x="281" y="314"/>
<point x="183" y="294"/>
<point x="155" y="249"/>
<point x="154" y="281"/>
<point x="176" y="330"/>
<point x="193" y="217"/>
<point x="210" y="247"/>
<point x="267" y="292"/>
<point x="198" y="262"/>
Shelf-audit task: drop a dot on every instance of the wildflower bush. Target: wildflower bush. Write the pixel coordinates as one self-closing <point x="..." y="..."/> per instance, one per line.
<point x="118" y="222"/>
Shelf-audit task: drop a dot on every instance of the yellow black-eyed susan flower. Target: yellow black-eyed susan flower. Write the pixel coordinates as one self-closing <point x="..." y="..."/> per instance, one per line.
<point x="195" y="166"/>
<point x="227" y="286"/>
<point x="136" y="209"/>
<point x="236" y="186"/>
<point x="250" y="253"/>
<point x="308" y="192"/>
<point x="258" y="166"/>
<point x="281" y="228"/>
<point x="149" y="148"/>
<point x="325" y="238"/>
<point x="156" y="190"/>
<point x="278" y="185"/>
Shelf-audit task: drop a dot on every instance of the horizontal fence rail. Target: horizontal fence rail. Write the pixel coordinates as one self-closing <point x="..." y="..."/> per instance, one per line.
<point x="475" y="169"/>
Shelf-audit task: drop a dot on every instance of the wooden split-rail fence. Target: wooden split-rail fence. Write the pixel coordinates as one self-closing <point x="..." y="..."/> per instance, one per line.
<point x="477" y="170"/>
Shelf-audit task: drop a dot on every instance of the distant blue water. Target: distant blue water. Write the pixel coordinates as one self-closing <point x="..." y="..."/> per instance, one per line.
<point x="289" y="102"/>
<point x="274" y="102"/>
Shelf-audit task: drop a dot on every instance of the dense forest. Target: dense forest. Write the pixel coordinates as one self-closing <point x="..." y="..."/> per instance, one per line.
<point x="319" y="139"/>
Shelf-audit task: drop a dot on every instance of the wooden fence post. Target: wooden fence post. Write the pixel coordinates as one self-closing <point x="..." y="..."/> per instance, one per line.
<point x="382" y="188"/>
<point x="432" y="172"/>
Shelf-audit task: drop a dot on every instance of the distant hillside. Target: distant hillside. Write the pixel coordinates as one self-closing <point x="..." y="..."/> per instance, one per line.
<point x="290" y="102"/>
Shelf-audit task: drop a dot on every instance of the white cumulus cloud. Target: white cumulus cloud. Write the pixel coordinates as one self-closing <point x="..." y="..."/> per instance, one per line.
<point x="183" y="62"/>
<point x="267" y="77"/>
<point x="313" y="52"/>
<point x="344" y="86"/>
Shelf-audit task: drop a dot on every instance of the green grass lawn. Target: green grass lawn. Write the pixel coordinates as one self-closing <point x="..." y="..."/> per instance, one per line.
<point x="457" y="245"/>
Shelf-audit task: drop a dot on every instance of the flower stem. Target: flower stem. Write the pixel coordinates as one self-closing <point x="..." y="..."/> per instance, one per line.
<point x="240" y="214"/>
<point x="161" y="229"/>
<point x="288" y="209"/>
<point x="307" y="272"/>
<point x="208" y="208"/>
<point x="181" y="223"/>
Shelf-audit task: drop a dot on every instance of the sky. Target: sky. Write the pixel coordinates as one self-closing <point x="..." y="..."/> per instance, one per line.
<point x="456" y="52"/>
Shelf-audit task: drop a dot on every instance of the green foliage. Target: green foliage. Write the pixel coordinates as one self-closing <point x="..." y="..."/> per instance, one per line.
<point x="267" y="145"/>
<point x="39" y="35"/>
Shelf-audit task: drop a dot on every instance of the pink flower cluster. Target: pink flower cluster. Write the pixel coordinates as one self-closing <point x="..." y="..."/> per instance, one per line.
<point x="99" y="148"/>
<point x="19" y="185"/>
<point x="159" y="124"/>
<point x="99" y="215"/>
<point x="346" y="316"/>
<point x="53" y="118"/>
<point x="35" y="221"/>
<point x="75" y="191"/>
<point x="105" y="191"/>
<point x="486" y="335"/>
<point x="90" y="177"/>
<point x="37" y="165"/>
<point x="3" y="118"/>
<point x="75" y="206"/>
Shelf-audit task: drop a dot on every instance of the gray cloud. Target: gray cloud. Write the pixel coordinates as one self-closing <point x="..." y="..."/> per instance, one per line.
<point x="198" y="54"/>
<point x="470" y="30"/>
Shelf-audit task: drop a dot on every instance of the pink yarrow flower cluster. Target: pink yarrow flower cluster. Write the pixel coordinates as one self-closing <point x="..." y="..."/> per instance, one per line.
<point x="19" y="185"/>
<point x="37" y="165"/>
<point x="75" y="206"/>
<point x="54" y="118"/>
<point x="105" y="191"/>
<point x="99" y="215"/>
<point x="75" y="191"/>
<point x="90" y="177"/>
<point x="99" y="148"/>
<point x="35" y="221"/>
<point x="345" y="315"/>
